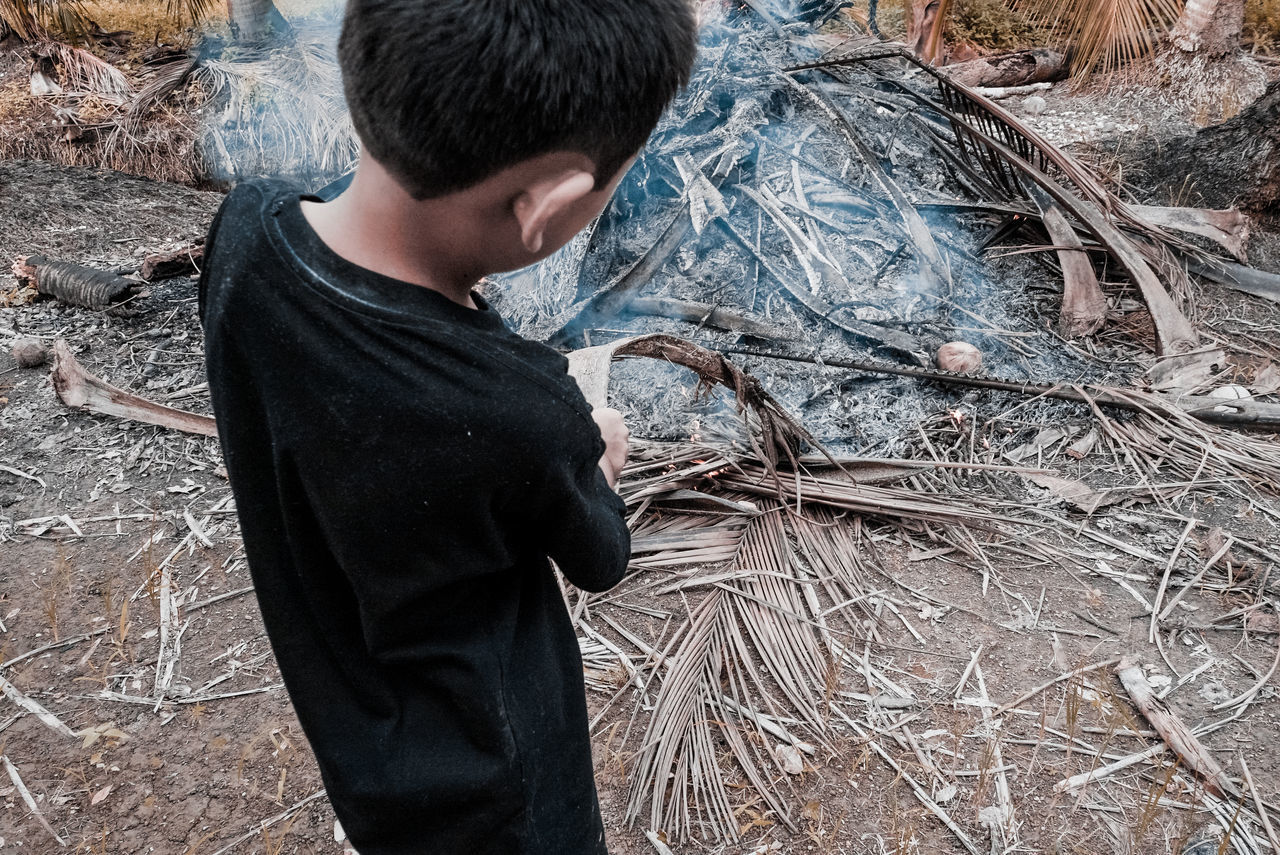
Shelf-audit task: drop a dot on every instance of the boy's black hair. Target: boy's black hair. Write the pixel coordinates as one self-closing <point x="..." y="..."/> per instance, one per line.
<point x="445" y="93"/>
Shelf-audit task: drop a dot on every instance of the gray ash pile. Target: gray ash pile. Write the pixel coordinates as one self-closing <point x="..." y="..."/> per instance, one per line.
<point x="808" y="212"/>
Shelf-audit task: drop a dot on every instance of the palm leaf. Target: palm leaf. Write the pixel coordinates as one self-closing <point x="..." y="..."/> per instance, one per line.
<point x="37" y="20"/>
<point x="283" y="112"/>
<point x="190" y="10"/>
<point x="1105" y="33"/>
<point x="87" y="74"/>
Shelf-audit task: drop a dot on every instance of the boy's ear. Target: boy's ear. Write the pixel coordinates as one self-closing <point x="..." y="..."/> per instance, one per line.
<point x="539" y="203"/>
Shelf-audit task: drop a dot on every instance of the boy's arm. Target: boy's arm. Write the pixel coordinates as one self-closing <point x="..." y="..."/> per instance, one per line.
<point x="587" y="532"/>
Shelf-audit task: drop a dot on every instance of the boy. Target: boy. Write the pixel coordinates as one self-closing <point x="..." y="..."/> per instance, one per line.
<point x="403" y="465"/>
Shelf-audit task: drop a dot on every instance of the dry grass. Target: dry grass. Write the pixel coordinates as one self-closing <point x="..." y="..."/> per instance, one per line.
<point x="1262" y="25"/>
<point x="150" y="22"/>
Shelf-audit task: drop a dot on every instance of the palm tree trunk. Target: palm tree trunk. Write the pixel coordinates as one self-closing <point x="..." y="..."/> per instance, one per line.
<point x="255" y="20"/>
<point x="1236" y="163"/>
<point x="926" y="20"/>
<point x="1211" y="27"/>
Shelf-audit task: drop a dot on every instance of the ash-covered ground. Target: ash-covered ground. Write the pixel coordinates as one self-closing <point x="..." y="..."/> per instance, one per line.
<point x="783" y="221"/>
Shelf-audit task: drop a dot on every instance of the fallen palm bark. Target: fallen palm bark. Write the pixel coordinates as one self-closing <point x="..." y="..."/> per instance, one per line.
<point x="79" y="388"/>
<point x="999" y="93"/>
<point x="1179" y="737"/>
<point x="73" y="283"/>
<point x="166" y="265"/>
<point x="1259" y="283"/>
<point x="1228" y="228"/>
<point x="1084" y="306"/>
<point x="1038" y="65"/>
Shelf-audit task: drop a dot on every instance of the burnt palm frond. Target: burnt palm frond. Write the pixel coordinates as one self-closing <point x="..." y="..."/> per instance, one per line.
<point x="998" y="152"/>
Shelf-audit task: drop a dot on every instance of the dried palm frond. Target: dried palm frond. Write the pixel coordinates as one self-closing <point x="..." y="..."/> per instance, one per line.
<point x="668" y="540"/>
<point x="1165" y="440"/>
<point x="36" y="20"/>
<point x="1002" y="155"/>
<point x="191" y="10"/>
<point x="282" y="112"/>
<point x="86" y="74"/>
<point x="748" y="660"/>
<point x="1104" y="34"/>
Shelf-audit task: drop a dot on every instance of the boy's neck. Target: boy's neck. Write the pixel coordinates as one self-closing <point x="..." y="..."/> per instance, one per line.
<point x="376" y="225"/>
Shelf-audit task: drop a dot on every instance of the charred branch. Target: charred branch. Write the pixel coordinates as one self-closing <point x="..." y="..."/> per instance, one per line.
<point x="167" y="265"/>
<point x="1011" y="69"/>
<point x="73" y="283"/>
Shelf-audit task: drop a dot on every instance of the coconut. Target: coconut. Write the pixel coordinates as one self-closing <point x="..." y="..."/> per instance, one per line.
<point x="29" y="353"/>
<point x="959" y="357"/>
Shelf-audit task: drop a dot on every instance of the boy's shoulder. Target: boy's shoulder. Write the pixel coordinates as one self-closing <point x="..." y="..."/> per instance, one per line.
<point x="248" y="200"/>
<point x="270" y="284"/>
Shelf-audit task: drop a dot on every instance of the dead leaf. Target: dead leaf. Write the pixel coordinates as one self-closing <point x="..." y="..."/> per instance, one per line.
<point x="1266" y="380"/>
<point x="1077" y="494"/>
<point x="101" y="794"/>
<point x="108" y="730"/>
<point x="789" y="759"/>
<point x="663" y="848"/>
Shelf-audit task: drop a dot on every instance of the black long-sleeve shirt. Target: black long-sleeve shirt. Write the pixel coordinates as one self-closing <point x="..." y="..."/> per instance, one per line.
<point x="403" y="467"/>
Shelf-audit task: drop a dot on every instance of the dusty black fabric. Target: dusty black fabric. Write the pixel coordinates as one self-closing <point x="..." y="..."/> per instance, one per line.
<point x="403" y="466"/>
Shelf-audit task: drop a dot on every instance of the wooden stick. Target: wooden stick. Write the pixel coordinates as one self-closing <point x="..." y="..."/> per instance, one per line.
<point x="79" y="388"/>
<point x="1258" y="803"/>
<point x="1060" y="678"/>
<point x="267" y="823"/>
<point x="31" y="802"/>
<point x="1110" y="769"/>
<point x="964" y="678"/>
<point x="66" y="642"/>
<point x="1009" y="828"/>
<point x="1179" y="737"/>
<point x="47" y="718"/>
<point x="1164" y="581"/>
<point x="1252" y="690"/>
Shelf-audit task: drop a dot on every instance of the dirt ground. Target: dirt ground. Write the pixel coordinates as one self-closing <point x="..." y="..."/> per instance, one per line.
<point x="92" y="510"/>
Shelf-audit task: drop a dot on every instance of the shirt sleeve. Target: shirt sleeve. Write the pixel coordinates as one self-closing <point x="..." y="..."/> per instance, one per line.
<point x="586" y="526"/>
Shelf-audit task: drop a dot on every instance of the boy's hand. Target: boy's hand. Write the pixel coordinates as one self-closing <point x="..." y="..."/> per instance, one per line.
<point x="616" y="438"/>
